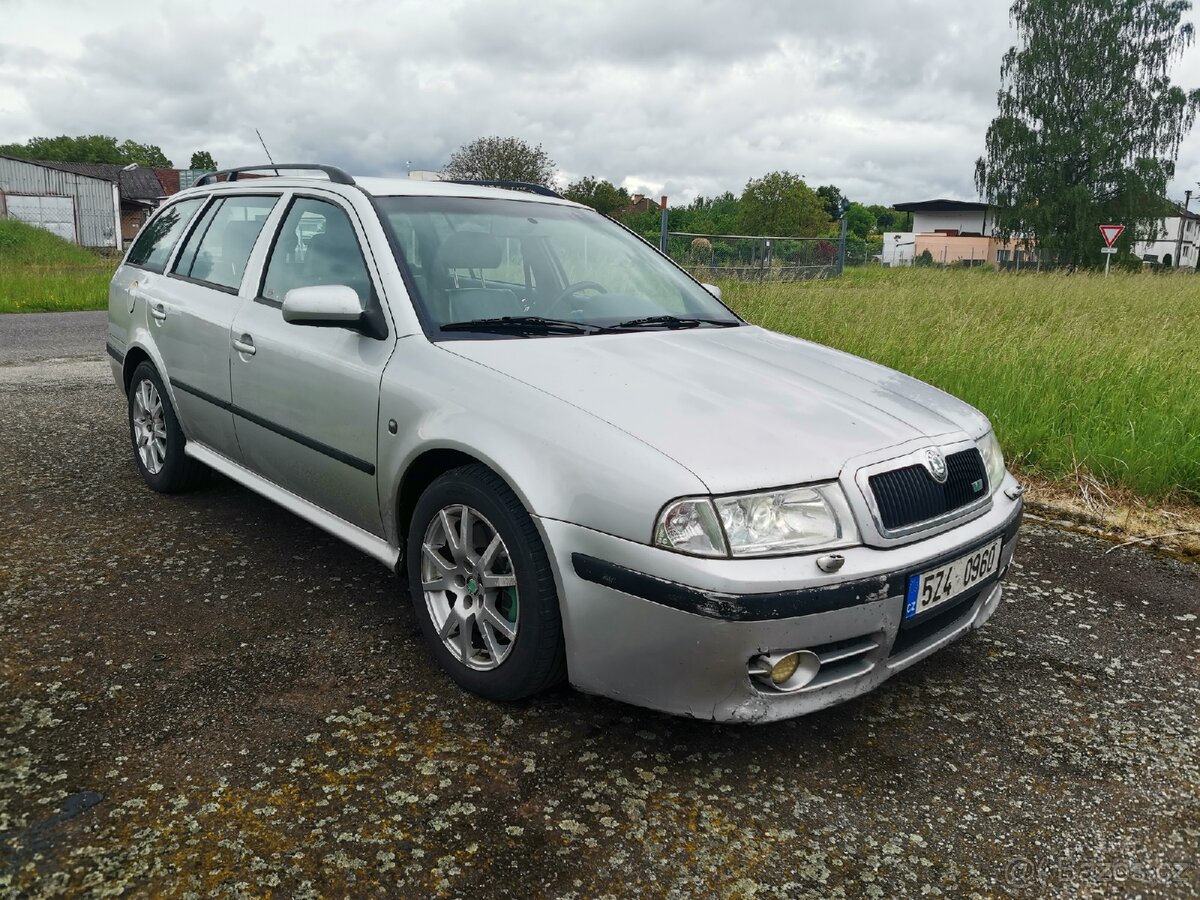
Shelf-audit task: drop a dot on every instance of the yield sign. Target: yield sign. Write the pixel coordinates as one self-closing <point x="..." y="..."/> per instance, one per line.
<point x="1111" y="233"/>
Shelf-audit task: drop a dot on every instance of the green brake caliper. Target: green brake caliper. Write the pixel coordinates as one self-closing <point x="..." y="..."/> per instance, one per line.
<point x="508" y="604"/>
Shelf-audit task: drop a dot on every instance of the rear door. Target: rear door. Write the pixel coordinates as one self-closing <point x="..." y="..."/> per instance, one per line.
<point x="191" y="311"/>
<point x="143" y="266"/>
<point x="307" y="398"/>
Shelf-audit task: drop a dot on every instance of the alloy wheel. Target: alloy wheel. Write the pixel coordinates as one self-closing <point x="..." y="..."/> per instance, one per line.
<point x="149" y="426"/>
<point x="470" y="587"/>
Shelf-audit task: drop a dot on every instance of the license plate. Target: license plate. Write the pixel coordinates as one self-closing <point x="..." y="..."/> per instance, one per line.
<point x="941" y="585"/>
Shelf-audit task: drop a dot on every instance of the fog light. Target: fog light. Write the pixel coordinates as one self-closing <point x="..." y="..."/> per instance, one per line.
<point x="788" y="671"/>
<point x="785" y="668"/>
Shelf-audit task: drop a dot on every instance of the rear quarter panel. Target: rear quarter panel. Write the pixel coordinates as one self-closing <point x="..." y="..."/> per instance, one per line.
<point x="121" y="307"/>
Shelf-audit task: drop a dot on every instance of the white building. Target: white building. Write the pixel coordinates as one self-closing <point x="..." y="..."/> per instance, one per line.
<point x="964" y="232"/>
<point x="1176" y="241"/>
<point x="952" y="231"/>
<point x="956" y="217"/>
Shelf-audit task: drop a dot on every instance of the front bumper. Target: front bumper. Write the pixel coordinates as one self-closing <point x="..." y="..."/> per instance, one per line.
<point x="676" y="633"/>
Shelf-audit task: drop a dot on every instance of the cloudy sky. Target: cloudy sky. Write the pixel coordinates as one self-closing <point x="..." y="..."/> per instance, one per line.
<point x="888" y="100"/>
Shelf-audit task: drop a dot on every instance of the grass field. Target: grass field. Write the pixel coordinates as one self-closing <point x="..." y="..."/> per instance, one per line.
<point x="1076" y="372"/>
<point x="40" y="272"/>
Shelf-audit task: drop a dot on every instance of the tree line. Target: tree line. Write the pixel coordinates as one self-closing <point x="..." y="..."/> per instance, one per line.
<point x="779" y="204"/>
<point x="100" y="149"/>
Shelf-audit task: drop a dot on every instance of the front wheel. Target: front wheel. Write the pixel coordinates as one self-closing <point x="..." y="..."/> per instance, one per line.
<point x="482" y="587"/>
<point x="156" y="436"/>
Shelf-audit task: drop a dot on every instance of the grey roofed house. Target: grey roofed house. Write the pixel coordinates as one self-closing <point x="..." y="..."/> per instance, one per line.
<point x="140" y="185"/>
<point x="141" y="189"/>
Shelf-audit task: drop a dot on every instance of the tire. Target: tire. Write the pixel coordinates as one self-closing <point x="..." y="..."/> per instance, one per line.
<point x="535" y="658"/>
<point x="165" y="468"/>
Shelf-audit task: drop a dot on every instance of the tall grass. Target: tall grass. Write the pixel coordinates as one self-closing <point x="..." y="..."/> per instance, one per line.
<point x="41" y="272"/>
<point x="1075" y="371"/>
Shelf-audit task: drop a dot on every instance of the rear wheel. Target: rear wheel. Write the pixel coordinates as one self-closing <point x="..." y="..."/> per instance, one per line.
<point x="482" y="586"/>
<point x="156" y="436"/>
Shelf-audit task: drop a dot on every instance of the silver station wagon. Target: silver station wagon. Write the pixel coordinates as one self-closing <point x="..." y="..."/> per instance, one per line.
<point x="585" y="465"/>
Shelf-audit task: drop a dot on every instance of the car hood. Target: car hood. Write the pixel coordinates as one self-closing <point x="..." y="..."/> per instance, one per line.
<point x="742" y="408"/>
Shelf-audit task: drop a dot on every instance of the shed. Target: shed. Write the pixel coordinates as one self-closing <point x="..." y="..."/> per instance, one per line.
<point x="79" y="207"/>
<point x="141" y="189"/>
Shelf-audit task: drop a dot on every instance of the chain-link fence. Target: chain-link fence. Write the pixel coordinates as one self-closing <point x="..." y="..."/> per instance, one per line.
<point x="745" y="257"/>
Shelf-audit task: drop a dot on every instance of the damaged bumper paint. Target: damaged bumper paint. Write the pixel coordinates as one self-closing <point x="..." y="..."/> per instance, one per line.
<point x="677" y="633"/>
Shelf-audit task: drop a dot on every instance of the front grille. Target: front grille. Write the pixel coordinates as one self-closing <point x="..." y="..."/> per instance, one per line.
<point x="910" y="495"/>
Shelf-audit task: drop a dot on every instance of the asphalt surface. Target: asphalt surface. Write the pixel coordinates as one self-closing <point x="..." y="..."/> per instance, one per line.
<point x="203" y="695"/>
<point x="27" y="337"/>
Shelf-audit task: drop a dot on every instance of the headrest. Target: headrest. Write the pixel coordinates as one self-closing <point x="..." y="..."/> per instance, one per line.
<point x="338" y="237"/>
<point x="470" y="250"/>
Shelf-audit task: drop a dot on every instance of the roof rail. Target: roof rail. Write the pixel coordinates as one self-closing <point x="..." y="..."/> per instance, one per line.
<point x="510" y="185"/>
<point x="336" y="175"/>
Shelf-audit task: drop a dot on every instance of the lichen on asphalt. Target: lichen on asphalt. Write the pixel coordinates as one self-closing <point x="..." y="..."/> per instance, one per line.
<point x="202" y="695"/>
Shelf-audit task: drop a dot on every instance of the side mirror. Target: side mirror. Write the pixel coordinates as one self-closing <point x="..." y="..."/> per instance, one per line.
<point x="712" y="289"/>
<point x="324" y="304"/>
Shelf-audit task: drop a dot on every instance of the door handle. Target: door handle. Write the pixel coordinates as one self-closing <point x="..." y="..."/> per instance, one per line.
<point x="244" y="344"/>
<point x="159" y="311"/>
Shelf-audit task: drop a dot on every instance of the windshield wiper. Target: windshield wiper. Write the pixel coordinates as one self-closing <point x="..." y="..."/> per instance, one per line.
<point x="524" y="325"/>
<point x="676" y="322"/>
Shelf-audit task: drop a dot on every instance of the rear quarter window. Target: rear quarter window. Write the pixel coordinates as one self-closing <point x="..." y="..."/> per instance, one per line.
<point x="153" y="246"/>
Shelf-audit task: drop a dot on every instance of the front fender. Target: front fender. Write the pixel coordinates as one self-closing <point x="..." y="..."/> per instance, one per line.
<point x="563" y="462"/>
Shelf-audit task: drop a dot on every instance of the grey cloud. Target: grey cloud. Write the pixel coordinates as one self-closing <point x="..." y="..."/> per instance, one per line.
<point x="890" y="102"/>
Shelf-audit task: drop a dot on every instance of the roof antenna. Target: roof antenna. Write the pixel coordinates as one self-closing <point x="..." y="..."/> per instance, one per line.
<point x="266" y="151"/>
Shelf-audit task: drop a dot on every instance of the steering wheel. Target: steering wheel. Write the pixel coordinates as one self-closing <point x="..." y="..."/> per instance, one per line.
<point x="569" y="291"/>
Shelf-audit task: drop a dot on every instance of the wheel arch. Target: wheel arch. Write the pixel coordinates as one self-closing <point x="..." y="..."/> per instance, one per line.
<point x="134" y="357"/>
<point x="429" y="464"/>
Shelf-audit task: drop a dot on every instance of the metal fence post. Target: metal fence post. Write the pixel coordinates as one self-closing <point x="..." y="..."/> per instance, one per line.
<point x="842" y="246"/>
<point x="662" y="240"/>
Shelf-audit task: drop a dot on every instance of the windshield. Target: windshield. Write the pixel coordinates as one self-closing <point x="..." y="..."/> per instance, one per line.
<point x="514" y="267"/>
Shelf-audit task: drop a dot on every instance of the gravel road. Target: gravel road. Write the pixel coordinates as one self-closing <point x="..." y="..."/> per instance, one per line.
<point x="202" y="694"/>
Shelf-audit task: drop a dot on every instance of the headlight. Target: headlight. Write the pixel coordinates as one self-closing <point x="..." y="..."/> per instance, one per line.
<point x="993" y="460"/>
<point x="772" y="522"/>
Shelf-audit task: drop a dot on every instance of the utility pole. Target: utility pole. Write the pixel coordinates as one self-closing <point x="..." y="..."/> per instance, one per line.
<point x="1187" y="198"/>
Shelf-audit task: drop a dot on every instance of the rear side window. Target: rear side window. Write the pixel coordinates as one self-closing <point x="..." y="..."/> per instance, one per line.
<point x="316" y="245"/>
<point x="217" y="250"/>
<point x="153" y="246"/>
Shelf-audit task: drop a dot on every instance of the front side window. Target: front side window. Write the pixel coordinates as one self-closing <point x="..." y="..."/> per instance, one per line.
<point x="153" y="246"/>
<point x="217" y="250"/>
<point x="475" y="259"/>
<point x="315" y="246"/>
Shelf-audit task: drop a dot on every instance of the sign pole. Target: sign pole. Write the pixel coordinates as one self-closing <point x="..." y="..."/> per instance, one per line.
<point x="1110" y="233"/>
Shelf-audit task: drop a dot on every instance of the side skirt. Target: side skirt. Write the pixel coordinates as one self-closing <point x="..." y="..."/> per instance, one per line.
<point x="310" y="512"/>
